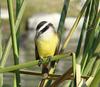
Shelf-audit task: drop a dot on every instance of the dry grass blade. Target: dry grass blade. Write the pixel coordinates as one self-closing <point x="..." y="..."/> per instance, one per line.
<point x="62" y="78"/>
<point x="94" y="71"/>
<point x="78" y="74"/>
<point x="96" y="80"/>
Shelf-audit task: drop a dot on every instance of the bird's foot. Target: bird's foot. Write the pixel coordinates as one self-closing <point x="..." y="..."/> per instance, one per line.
<point x="40" y="62"/>
<point x="49" y="59"/>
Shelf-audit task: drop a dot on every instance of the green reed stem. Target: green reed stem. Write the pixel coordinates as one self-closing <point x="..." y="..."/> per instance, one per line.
<point x="8" y="46"/>
<point x="92" y="16"/>
<point x="1" y="75"/>
<point x="74" y="67"/>
<point x="62" y="19"/>
<point x="0" y="36"/>
<point x="33" y="63"/>
<point x="82" y="31"/>
<point x="74" y="27"/>
<point x="94" y="72"/>
<point x="96" y="42"/>
<point x="14" y="43"/>
<point x="90" y="36"/>
<point x="96" y="80"/>
<point x="18" y="6"/>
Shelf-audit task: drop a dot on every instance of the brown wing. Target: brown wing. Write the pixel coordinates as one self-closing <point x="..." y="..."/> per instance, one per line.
<point x="36" y="50"/>
<point x="57" y="48"/>
<point x="36" y="53"/>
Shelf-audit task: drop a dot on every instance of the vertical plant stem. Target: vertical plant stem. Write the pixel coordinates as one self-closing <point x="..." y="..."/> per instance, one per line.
<point x="75" y="25"/>
<point x="78" y="72"/>
<point x="96" y="80"/>
<point x="96" y="42"/>
<point x="74" y="67"/>
<point x="1" y="75"/>
<point x="14" y="43"/>
<point x="92" y="15"/>
<point x="8" y="46"/>
<point x="90" y="34"/>
<point x="97" y="34"/>
<point x="18" y="6"/>
<point x="94" y="72"/>
<point x="62" y="20"/>
<point x="0" y="35"/>
<point x="82" y="31"/>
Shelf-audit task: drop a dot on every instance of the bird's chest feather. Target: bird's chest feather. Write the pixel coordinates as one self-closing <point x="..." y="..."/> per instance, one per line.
<point x="47" y="45"/>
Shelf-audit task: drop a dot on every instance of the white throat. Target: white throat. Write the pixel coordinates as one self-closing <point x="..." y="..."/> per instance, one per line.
<point x="48" y="33"/>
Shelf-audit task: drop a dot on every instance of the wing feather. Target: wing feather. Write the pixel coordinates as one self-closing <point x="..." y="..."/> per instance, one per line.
<point x="36" y="51"/>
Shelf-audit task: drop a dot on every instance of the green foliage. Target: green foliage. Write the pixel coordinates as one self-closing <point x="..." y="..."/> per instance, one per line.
<point x="86" y="60"/>
<point x="1" y="75"/>
<point x="14" y="43"/>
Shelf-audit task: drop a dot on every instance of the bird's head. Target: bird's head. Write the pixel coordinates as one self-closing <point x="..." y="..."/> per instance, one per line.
<point x="44" y="27"/>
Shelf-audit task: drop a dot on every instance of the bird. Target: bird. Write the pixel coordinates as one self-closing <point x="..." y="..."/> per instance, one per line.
<point x="46" y="44"/>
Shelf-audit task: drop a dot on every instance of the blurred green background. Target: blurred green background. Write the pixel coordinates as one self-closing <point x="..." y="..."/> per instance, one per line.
<point x="27" y="46"/>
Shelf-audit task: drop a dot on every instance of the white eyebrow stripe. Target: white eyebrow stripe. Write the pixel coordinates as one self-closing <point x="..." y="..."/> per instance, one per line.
<point x="43" y="27"/>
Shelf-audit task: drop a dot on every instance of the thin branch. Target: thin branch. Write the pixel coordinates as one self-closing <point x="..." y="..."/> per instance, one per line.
<point x="28" y="72"/>
<point x="50" y="76"/>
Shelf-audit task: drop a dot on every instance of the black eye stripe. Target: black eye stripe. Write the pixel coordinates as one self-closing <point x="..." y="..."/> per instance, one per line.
<point x="44" y="29"/>
<point x="47" y="27"/>
<point x="40" y="25"/>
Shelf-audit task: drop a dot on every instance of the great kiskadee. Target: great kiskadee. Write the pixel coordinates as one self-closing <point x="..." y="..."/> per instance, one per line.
<point x="46" y="42"/>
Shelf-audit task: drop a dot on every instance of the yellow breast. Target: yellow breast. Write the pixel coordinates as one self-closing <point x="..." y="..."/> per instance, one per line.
<point x="47" y="47"/>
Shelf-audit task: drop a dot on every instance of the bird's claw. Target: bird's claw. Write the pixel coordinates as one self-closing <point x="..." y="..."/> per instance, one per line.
<point x="40" y="62"/>
<point x="49" y="59"/>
